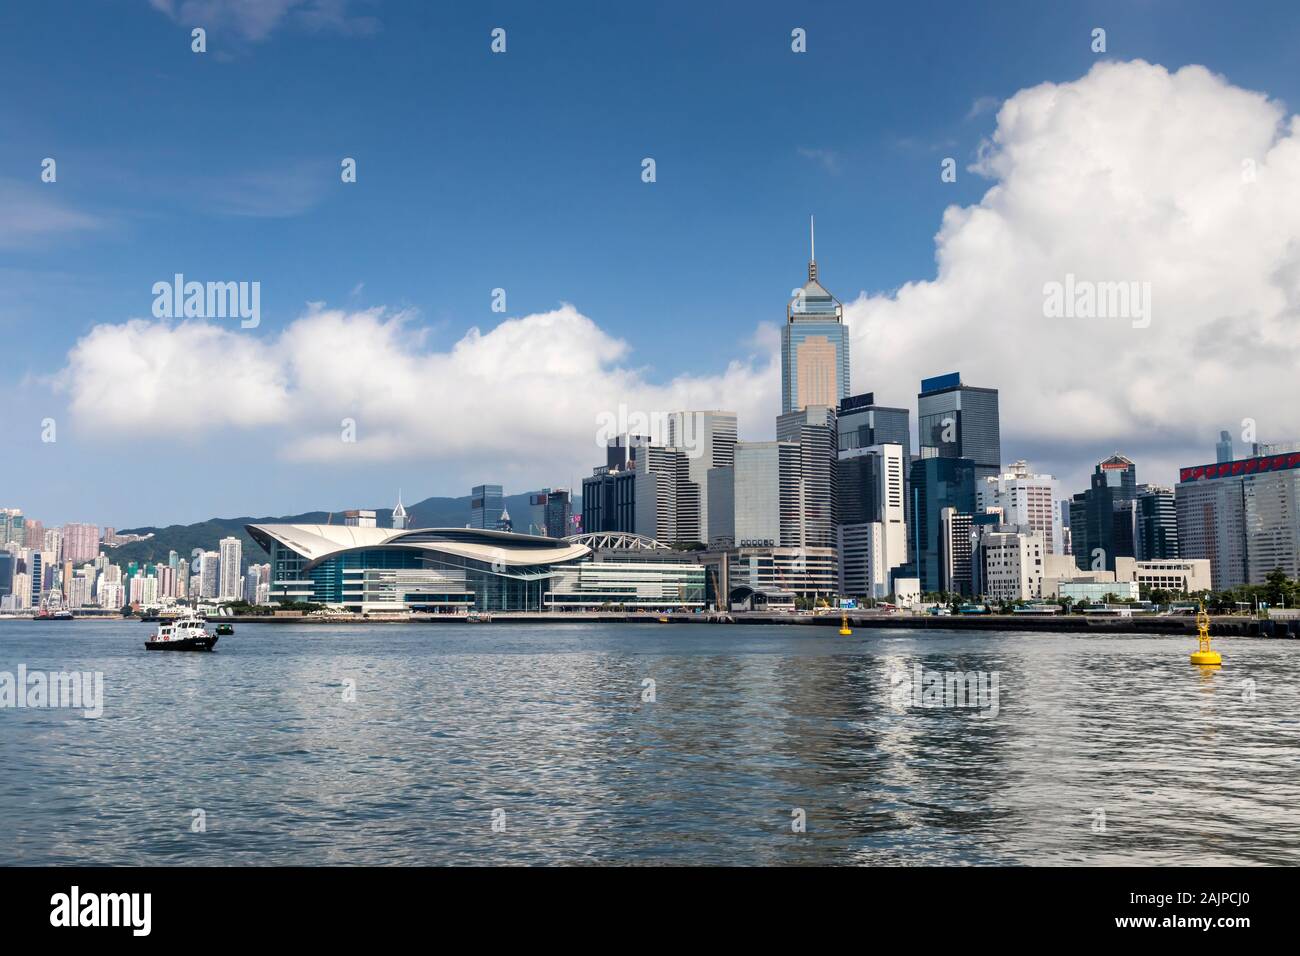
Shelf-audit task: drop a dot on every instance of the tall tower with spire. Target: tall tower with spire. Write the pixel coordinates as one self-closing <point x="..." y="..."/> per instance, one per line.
<point x="399" y="513"/>
<point x="814" y="344"/>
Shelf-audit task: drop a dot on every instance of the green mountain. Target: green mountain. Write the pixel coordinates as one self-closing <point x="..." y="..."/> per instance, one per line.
<point x="184" y="538"/>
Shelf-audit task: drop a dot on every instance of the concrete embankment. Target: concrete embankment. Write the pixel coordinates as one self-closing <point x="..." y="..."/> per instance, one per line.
<point x="1073" y="623"/>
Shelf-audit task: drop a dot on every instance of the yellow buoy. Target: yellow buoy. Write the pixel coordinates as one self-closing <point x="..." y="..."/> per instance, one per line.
<point x="844" y="624"/>
<point x="1204" y="655"/>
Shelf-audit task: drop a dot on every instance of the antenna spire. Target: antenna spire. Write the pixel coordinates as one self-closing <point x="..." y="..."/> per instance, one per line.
<point x="812" y="243"/>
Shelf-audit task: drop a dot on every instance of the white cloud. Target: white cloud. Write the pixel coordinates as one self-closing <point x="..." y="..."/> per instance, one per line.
<point x="255" y="20"/>
<point x="530" y="389"/>
<point x="1130" y="173"/>
<point x="34" y="213"/>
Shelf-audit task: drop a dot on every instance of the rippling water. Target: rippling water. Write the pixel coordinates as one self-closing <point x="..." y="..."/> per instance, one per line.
<point x="748" y="725"/>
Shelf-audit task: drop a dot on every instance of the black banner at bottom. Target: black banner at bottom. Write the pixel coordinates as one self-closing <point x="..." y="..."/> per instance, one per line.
<point x="305" y="905"/>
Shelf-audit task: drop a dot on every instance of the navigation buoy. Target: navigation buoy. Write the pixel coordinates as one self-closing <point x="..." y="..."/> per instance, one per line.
<point x="1204" y="655"/>
<point x="844" y="624"/>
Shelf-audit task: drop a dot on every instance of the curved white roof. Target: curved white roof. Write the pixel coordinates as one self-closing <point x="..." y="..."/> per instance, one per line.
<point x="316" y="542"/>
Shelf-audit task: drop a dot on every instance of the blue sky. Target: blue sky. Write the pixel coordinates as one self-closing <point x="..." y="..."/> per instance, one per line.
<point x="478" y="171"/>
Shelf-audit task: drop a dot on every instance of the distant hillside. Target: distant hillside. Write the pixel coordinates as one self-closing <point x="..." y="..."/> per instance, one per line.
<point x="184" y="538"/>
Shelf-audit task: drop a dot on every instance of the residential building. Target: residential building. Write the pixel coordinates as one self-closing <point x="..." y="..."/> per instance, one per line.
<point x="231" y="556"/>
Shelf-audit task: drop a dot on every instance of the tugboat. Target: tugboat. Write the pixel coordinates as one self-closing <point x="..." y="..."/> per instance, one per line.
<point x="186" y="634"/>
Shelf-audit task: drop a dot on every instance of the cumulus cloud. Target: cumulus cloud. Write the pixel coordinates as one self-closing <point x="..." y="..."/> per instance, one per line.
<point x="533" y="388"/>
<point x="1128" y="174"/>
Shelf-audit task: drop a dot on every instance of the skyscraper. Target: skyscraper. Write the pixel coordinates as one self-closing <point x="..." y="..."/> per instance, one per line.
<point x="667" y="502"/>
<point x="960" y="421"/>
<point x="757" y="499"/>
<point x="1243" y="516"/>
<point x="559" y="513"/>
<point x="1102" y="519"/>
<point x="871" y="530"/>
<point x="707" y="438"/>
<point x="485" y="505"/>
<point x="813" y="429"/>
<point x="399" y="518"/>
<point x="937" y="483"/>
<point x="862" y="423"/>
<point x="1223" y="450"/>
<point x="1156" y="520"/>
<point x="232" y="550"/>
<point x="814" y="347"/>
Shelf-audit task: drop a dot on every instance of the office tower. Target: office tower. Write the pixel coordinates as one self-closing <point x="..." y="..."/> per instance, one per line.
<point x="535" y="522"/>
<point x="8" y="570"/>
<point x="53" y="543"/>
<point x="209" y="577"/>
<point x="707" y="438"/>
<point x="559" y="513"/>
<point x="814" y="347"/>
<point x="757" y="497"/>
<point x="1026" y="500"/>
<point x="503" y="522"/>
<point x="37" y="571"/>
<point x="621" y="450"/>
<point x="1103" y="518"/>
<point x="1223" y="450"/>
<point x="12" y="527"/>
<point x="1243" y="516"/>
<point x="871" y="532"/>
<point x="1156" y="517"/>
<point x="955" y="533"/>
<point x="862" y="423"/>
<point x="960" y="421"/>
<point x="360" y="518"/>
<point x="485" y="505"/>
<point x="80" y="542"/>
<point x="609" y="495"/>
<point x="231" y="556"/>
<point x="667" y="501"/>
<point x="937" y="483"/>
<point x="813" y="429"/>
<point x="399" y="515"/>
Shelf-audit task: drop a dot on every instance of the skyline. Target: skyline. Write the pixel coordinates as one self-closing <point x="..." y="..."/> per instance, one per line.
<point x="677" y="286"/>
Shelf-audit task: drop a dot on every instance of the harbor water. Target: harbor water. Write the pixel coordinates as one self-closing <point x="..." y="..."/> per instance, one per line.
<point x="648" y="744"/>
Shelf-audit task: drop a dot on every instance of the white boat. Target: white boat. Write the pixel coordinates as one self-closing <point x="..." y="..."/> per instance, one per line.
<point x="185" y="634"/>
